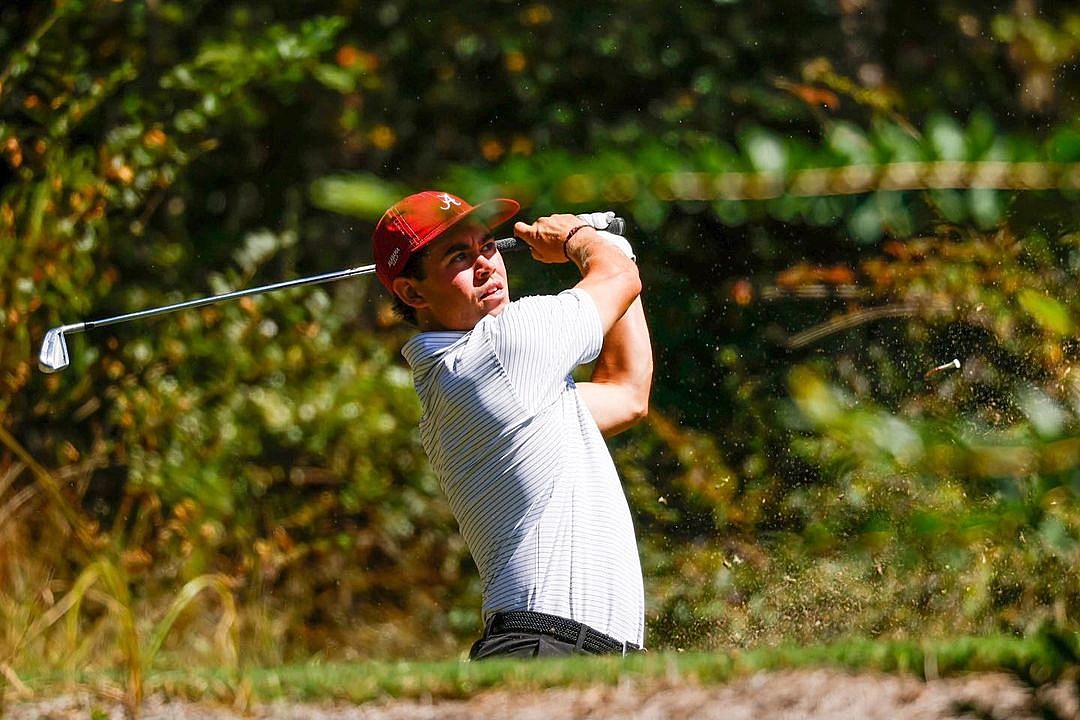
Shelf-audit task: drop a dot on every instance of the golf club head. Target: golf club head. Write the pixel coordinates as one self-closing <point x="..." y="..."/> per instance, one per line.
<point x="54" y="352"/>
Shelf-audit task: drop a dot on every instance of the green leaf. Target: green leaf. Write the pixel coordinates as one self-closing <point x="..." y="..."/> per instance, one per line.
<point x="947" y="138"/>
<point x="765" y="150"/>
<point x="1050" y="314"/>
<point x="361" y="195"/>
<point x="334" y="77"/>
<point x="1065" y="145"/>
<point x="189" y="121"/>
<point x="849" y="141"/>
<point x="865" y="224"/>
<point x="986" y="207"/>
<point x="950" y="203"/>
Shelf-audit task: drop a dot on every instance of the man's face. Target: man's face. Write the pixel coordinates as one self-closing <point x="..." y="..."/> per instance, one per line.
<point x="464" y="280"/>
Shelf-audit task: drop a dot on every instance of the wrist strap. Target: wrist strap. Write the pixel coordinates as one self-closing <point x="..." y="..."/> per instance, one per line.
<point x="570" y="235"/>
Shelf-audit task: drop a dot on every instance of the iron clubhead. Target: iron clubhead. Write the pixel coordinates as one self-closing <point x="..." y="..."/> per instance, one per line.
<point x="54" y="352"/>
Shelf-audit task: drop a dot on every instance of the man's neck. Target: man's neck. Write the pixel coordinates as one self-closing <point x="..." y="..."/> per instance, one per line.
<point x="428" y="323"/>
<point x="434" y="326"/>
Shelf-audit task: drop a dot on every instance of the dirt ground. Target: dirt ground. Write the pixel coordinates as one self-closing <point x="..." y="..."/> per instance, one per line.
<point x="819" y="694"/>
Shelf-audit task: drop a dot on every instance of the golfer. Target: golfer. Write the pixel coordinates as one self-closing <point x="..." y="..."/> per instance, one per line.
<point x="518" y="445"/>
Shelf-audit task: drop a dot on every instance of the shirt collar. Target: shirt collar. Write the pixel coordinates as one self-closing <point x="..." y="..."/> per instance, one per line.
<point x="425" y="346"/>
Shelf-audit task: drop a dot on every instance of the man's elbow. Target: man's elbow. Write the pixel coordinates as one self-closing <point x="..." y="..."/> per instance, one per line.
<point x="626" y="276"/>
<point x="629" y="415"/>
<point x="641" y="389"/>
<point x="633" y="281"/>
<point x="637" y="410"/>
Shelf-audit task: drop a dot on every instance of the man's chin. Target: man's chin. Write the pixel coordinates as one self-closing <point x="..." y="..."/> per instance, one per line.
<point x="496" y="303"/>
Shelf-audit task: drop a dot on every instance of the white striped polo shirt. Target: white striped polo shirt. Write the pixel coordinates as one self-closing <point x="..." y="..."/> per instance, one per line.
<point x="524" y="466"/>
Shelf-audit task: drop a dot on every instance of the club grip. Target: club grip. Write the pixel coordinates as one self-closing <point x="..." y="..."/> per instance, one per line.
<point x="617" y="226"/>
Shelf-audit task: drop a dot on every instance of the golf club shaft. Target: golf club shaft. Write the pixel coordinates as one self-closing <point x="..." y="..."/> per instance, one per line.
<point x="199" y="302"/>
<point x="504" y="245"/>
<point x="53" y="355"/>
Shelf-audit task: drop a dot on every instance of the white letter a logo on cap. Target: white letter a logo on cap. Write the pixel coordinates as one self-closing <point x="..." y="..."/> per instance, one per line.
<point x="448" y="201"/>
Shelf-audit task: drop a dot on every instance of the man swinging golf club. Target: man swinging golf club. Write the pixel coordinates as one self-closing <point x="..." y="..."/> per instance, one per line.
<point x="518" y="445"/>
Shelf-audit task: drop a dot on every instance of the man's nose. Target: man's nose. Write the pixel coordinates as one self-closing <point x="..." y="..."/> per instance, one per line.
<point x="484" y="266"/>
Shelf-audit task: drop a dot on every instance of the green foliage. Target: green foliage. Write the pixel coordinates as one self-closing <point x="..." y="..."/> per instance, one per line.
<point x="826" y="204"/>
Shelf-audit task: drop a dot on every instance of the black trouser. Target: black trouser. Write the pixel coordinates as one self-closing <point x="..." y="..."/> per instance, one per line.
<point x="514" y="635"/>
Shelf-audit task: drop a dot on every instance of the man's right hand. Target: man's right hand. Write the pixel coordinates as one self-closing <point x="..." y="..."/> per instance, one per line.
<point x="547" y="236"/>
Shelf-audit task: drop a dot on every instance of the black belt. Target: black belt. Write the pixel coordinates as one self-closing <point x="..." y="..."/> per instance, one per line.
<point x="581" y="635"/>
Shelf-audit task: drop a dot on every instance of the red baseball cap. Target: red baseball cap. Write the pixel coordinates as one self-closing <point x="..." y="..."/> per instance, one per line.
<point x="415" y="221"/>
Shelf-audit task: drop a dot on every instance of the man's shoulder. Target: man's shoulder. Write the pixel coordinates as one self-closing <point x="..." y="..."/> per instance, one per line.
<point x="543" y="317"/>
<point x="547" y="306"/>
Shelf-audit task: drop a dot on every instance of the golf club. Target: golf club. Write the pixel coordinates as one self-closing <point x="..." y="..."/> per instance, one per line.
<point x="54" y="352"/>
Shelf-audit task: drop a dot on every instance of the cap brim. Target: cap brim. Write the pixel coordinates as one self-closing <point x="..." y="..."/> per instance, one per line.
<point x="492" y="212"/>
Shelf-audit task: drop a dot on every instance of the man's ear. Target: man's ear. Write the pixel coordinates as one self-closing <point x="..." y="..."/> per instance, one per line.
<point x="406" y="289"/>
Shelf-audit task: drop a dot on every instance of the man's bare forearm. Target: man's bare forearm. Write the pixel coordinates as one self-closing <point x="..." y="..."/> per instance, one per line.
<point x="618" y="392"/>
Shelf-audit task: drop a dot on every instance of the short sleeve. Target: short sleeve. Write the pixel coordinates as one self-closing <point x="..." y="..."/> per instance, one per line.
<point x="540" y="340"/>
